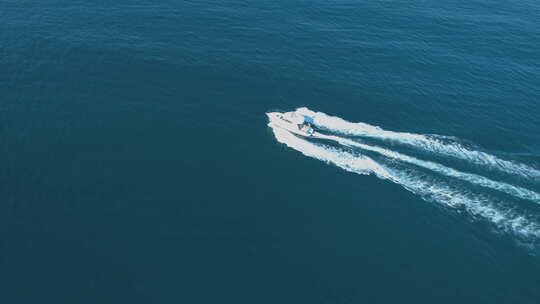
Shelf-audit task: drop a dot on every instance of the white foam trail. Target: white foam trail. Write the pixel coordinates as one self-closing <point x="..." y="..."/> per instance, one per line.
<point x="347" y="161"/>
<point x="424" y="142"/>
<point x="475" y="204"/>
<point x="469" y="177"/>
<point x="430" y="190"/>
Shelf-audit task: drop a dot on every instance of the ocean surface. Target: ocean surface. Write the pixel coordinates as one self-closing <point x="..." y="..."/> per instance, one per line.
<point x="138" y="165"/>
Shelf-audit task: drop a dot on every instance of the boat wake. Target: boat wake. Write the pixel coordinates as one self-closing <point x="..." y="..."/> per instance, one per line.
<point x="442" y="145"/>
<point x="430" y="180"/>
<point x="441" y="169"/>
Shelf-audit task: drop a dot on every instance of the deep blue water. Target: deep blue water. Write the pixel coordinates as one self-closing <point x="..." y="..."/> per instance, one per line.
<point x="138" y="166"/>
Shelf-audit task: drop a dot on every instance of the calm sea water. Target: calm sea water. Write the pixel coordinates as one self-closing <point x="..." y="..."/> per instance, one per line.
<point x="138" y="166"/>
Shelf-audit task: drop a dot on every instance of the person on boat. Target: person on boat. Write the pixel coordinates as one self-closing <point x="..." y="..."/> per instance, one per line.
<point x="304" y="126"/>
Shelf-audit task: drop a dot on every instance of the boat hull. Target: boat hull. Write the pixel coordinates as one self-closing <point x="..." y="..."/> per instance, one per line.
<point x="276" y="119"/>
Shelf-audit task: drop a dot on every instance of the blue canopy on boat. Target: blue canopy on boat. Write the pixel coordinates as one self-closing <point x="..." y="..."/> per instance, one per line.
<point x="308" y="119"/>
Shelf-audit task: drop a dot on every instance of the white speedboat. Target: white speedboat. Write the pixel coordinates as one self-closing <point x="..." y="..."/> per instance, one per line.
<point x="293" y="122"/>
